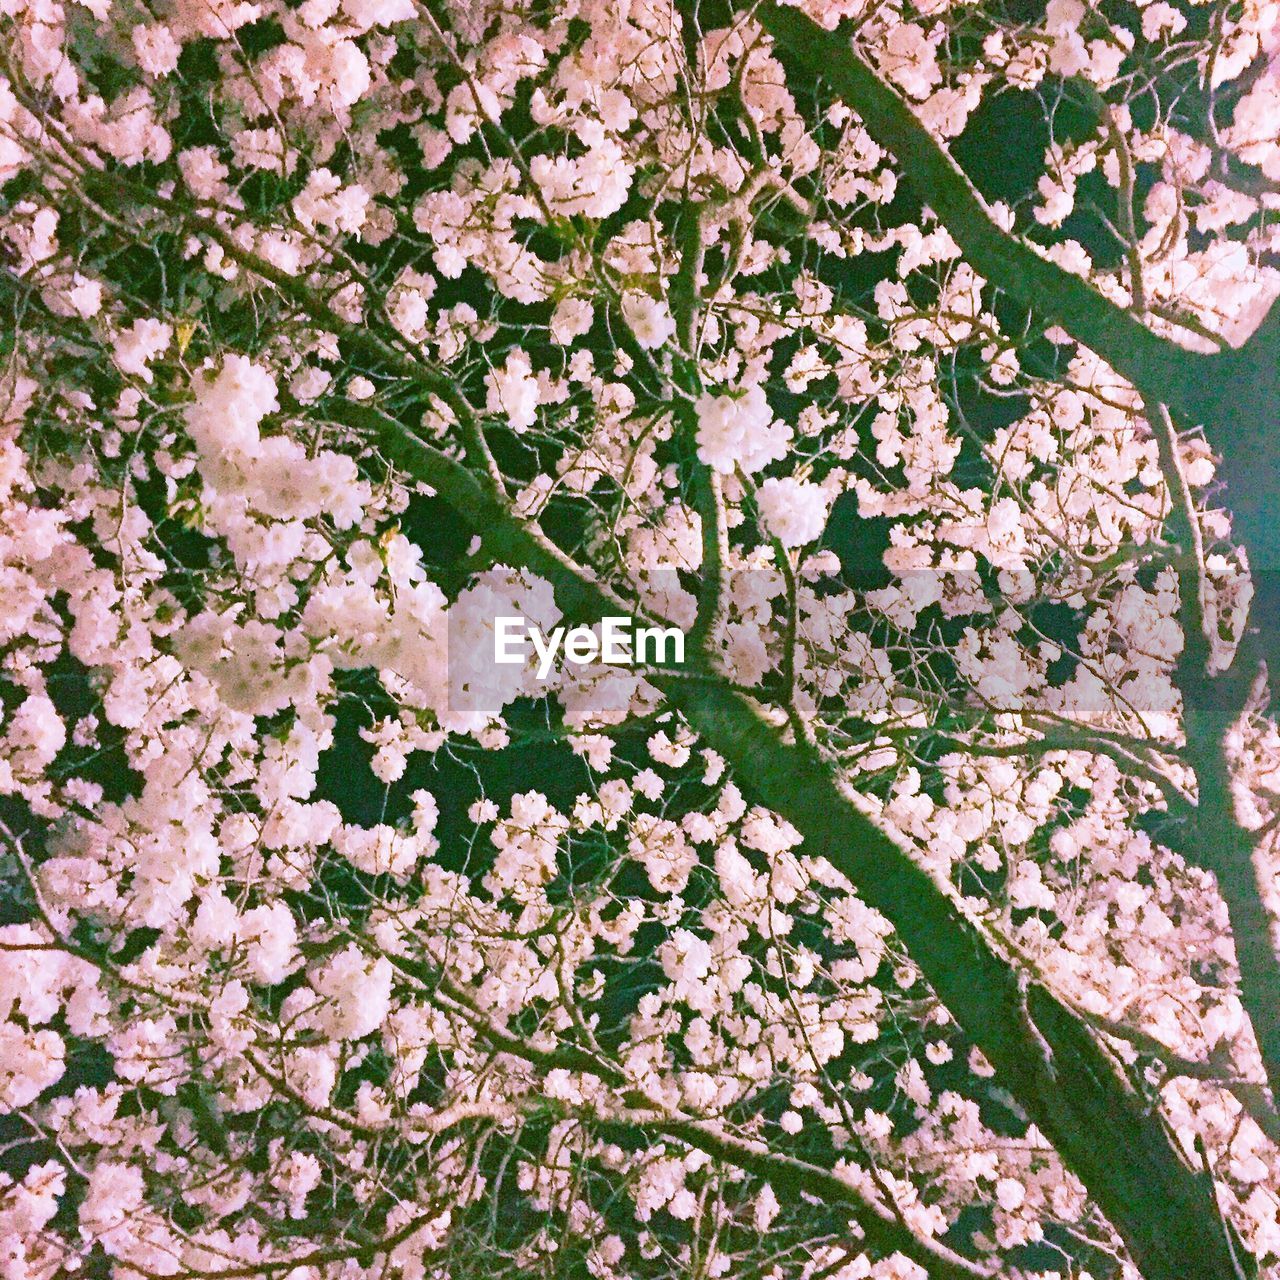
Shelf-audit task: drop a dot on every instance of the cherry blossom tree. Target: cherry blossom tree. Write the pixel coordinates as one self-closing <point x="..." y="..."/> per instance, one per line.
<point x="917" y="362"/>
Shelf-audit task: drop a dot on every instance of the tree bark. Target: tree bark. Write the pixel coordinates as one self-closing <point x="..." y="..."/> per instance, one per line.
<point x="1234" y="394"/>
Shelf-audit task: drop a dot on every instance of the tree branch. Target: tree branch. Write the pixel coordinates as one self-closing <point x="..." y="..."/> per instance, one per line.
<point x="882" y="1229"/>
<point x="1232" y="393"/>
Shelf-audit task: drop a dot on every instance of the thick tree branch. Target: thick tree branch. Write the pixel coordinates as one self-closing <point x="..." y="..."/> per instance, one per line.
<point x="1013" y="264"/>
<point x="1231" y="393"/>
